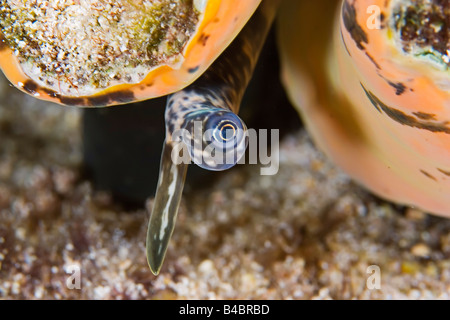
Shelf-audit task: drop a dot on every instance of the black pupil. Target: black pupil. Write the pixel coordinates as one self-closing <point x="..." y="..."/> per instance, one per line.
<point x="227" y="131"/>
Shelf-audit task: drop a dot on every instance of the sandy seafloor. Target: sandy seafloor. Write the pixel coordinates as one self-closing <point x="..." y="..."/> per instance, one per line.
<point x="308" y="232"/>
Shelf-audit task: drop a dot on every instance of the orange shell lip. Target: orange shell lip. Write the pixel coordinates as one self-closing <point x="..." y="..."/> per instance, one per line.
<point x="386" y="123"/>
<point x="407" y="83"/>
<point x="403" y="110"/>
<point x="221" y="22"/>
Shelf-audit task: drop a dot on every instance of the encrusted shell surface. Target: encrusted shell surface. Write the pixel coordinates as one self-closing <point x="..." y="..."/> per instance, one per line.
<point x="218" y="23"/>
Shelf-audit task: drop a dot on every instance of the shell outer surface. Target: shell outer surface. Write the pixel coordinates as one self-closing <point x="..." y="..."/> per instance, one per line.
<point x="385" y="117"/>
<point x="219" y="22"/>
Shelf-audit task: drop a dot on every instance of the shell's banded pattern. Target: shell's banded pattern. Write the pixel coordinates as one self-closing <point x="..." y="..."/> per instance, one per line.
<point x="386" y="116"/>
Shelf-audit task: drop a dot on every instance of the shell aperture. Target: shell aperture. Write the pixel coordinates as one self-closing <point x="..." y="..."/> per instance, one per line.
<point x="210" y="104"/>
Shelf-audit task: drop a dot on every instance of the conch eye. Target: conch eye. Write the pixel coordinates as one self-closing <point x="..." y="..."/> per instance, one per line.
<point x="125" y="53"/>
<point x="217" y="141"/>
